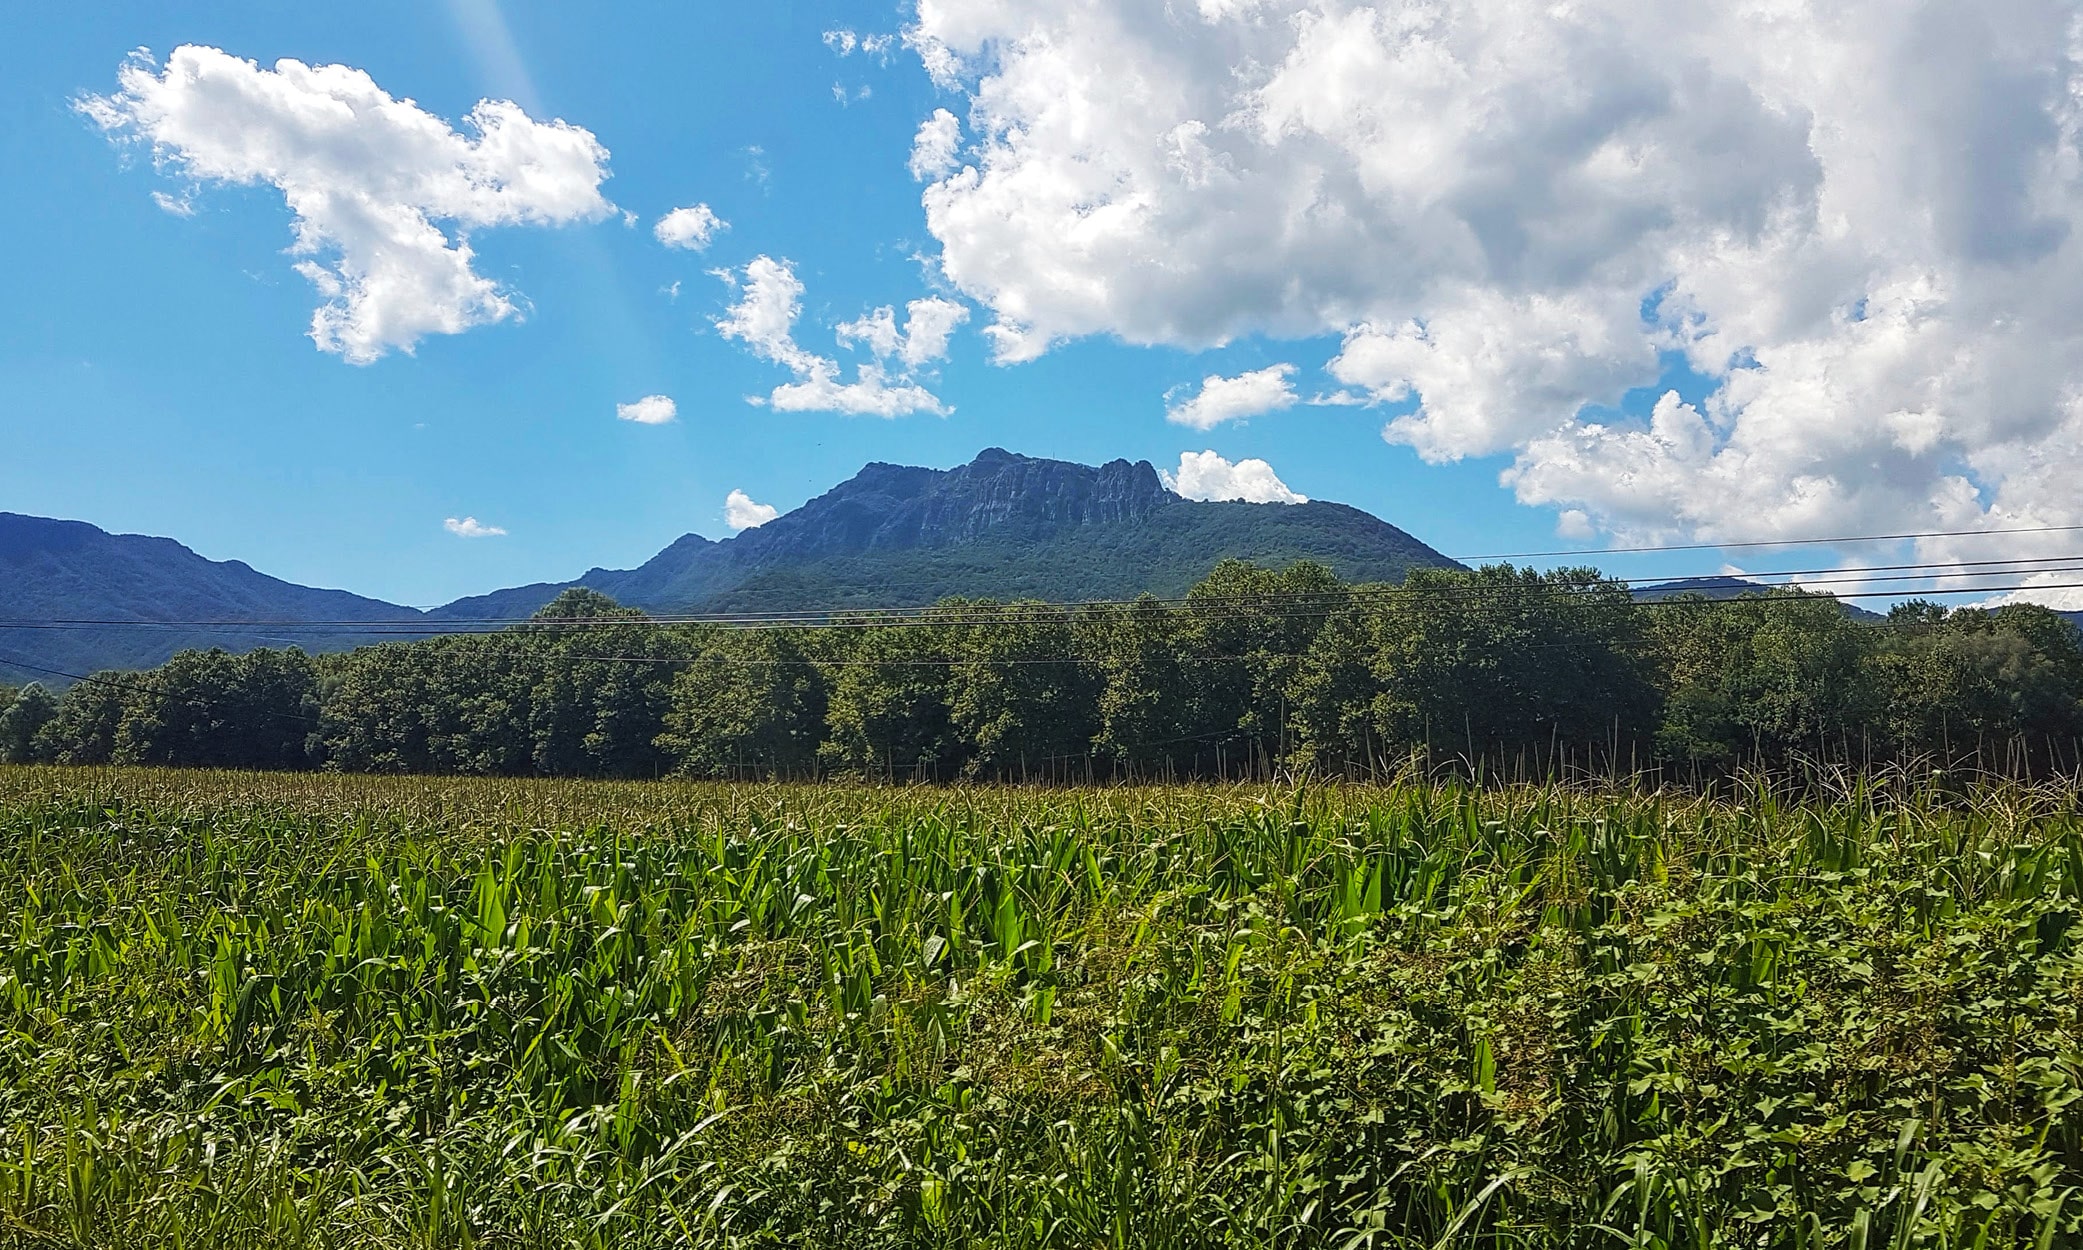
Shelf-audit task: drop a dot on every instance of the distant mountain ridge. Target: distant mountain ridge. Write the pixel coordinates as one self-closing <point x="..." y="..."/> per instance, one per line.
<point x="1002" y="526"/>
<point x="1725" y="586"/>
<point x="57" y="578"/>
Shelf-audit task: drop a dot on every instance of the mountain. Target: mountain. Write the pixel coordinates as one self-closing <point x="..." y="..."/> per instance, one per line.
<point x="1720" y="587"/>
<point x="1003" y="526"/>
<point x="1726" y="587"/>
<point x="63" y="583"/>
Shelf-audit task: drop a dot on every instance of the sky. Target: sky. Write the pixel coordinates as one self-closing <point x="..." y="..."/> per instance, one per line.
<point x="421" y="300"/>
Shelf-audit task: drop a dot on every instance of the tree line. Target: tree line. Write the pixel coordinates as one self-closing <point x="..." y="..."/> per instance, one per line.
<point x="1255" y="672"/>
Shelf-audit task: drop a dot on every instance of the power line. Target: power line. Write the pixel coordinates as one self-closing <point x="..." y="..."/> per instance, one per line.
<point x="1775" y="542"/>
<point x="991" y="661"/>
<point x="1016" y="612"/>
<point x="1282" y="605"/>
<point x="943" y="612"/>
<point x="418" y="627"/>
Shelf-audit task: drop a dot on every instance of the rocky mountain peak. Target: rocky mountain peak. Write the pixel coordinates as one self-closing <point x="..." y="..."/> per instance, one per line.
<point x="998" y="495"/>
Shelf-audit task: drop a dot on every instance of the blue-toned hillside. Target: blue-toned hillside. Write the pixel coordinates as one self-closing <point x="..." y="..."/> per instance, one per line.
<point x="76" y="599"/>
<point x="67" y="588"/>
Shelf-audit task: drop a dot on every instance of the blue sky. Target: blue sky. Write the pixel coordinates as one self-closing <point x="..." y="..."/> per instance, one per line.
<point x="156" y="377"/>
<point x="157" y="373"/>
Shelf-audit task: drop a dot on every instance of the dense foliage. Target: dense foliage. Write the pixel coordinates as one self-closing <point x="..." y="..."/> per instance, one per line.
<point x="1255" y="673"/>
<point x="367" y="1012"/>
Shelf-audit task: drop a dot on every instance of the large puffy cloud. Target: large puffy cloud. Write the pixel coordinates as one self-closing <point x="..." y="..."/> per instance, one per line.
<point x="1855" y="218"/>
<point x="770" y="300"/>
<point x="1207" y="475"/>
<point x="1223" y="399"/>
<point x="372" y="182"/>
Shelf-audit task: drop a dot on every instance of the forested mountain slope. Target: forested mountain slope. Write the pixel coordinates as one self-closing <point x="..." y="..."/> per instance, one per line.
<point x="1002" y="526"/>
<point x="56" y="576"/>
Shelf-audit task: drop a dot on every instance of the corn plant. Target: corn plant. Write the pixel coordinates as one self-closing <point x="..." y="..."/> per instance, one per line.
<point x="289" y="1011"/>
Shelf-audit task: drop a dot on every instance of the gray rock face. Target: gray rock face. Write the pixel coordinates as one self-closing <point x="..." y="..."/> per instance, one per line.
<point x="999" y="495"/>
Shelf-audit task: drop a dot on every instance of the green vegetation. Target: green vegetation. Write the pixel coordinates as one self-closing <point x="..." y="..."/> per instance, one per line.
<point x="1164" y="554"/>
<point x="1254" y="674"/>
<point x="23" y="714"/>
<point x="294" y="1010"/>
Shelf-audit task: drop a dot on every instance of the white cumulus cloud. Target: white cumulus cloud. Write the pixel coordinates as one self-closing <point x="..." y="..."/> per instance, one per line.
<point x="383" y="193"/>
<point x="1206" y="475"/>
<point x="690" y="228"/>
<point x="471" y="527"/>
<point x="741" y="513"/>
<point x="1860" y="222"/>
<point x="928" y="324"/>
<point x="770" y="300"/>
<point x="1223" y="399"/>
<point x="650" y="410"/>
<point x="933" y="148"/>
<point x="2051" y="590"/>
<point x="764" y="318"/>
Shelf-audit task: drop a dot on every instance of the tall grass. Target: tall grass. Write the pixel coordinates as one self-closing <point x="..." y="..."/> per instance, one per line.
<point x="308" y="1011"/>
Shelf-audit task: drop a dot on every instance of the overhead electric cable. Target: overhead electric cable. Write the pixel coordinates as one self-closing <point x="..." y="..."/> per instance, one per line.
<point x="1013" y="609"/>
<point x="1017" y="611"/>
<point x="1816" y="581"/>
<point x="1776" y="542"/>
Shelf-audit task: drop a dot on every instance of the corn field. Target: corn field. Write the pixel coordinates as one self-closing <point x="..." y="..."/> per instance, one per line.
<point x="290" y="1011"/>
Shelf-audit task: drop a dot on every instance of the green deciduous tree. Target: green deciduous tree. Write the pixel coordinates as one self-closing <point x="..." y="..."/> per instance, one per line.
<point x="84" y="730"/>
<point x="23" y="714"/>
<point x="1761" y="677"/>
<point x="1505" y="662"/>
<point x="1146" y="705"/>
<point x="1256" y="671"/>
<point x="1246" y="631"/>
<point x="1021" y="693"/>
<point x="887" y="713"/>
<point x="1966" y="682"/>
<point x="212" y="709"/>
<point x="749" y="704"/>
